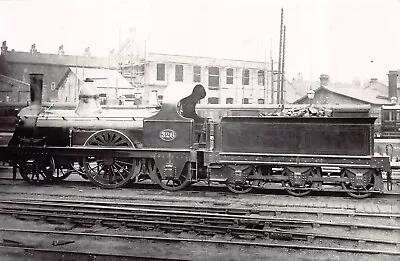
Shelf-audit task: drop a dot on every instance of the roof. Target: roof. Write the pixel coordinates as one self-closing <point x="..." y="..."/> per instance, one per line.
<point x="380" y="87"/>
<point x="101" y="77"/>
<point x="207" y="61"/>
<point x="391" y="107"/>
<point x="354" y="92"/>
<point x="56" y="59"/>
<point x="12" y="81"/>
<point x="301" y="87"/>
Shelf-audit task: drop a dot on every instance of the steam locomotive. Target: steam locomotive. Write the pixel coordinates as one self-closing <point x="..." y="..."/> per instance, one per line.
<point x="174" y="147"/>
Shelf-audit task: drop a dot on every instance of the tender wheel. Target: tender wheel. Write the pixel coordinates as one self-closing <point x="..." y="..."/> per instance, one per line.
<point x="298" y="184"/>
<point x="109" y="171"/>
<point x="37" y="169"/>
<point x="238" y="178"/>
<point x="363" y="186"/>
<point x="242" y="188"/>
<point x="171" y="184"/>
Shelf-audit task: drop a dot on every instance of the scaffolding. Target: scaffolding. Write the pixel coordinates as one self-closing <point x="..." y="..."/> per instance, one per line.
<point x="131" y="60"/>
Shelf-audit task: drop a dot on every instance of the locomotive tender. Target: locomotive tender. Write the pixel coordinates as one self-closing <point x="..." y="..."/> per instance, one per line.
<point x="175" y="147"/>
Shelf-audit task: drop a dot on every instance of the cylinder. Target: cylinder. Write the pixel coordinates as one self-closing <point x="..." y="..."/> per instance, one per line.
<point x="36" y="86"/>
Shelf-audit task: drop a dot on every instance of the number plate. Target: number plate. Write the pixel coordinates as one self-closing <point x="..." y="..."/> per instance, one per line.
<point x="167" y="135"/>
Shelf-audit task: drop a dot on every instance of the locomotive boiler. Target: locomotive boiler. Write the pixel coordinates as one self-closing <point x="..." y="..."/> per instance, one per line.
<point x="174" y="147"/>
<point x="88" y="124"/>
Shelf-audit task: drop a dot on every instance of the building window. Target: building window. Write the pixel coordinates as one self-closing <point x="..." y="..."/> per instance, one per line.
<point x="160" y="72"/>
<point x="261" y="101"/>
<point x="179" y="73"/>
<point x="103" y="98"/>
<point x="229" y="100"/>
<point x="261" y="78"/>
<point x="245" y="77"/>
<point x="213" y="77"/>
<point x="129" y="96"/>
<point x="229" y="76"/>
<point x="213" y="100"/>
<point x="197" y="74"/>
<point x="246" y="101"/>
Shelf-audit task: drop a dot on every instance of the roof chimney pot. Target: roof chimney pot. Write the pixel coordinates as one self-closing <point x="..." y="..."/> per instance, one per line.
<point x="392" y="75"/>
<point x="4" y="47"/>
<point x="373" y="80"/>
<point x="324" y="79"/>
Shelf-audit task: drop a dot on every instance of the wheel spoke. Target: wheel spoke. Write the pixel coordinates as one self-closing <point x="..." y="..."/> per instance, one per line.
<point x="42" y="174"/>
<point x="99" y="169"/>
<point x="111" y="178"/>
<point x="120" y="143"/>
<point x="122" y="176"/>
<point x="121" y="168"/>
<point x="112" y="138"/>
<point x="123" y="162"/>
<point x="105" y="173"/>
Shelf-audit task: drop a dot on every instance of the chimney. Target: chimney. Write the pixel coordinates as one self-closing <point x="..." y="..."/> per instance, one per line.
<point x="88" y="99"/>
<point x="33" y="48"/>
<point x="4" y="47"/>
<point x="324" y="79"/>
<point x="61" y="50"/>
<point x="87" y="52"/>
<point x="36" y="86"/>
<point x="373" y="80"/>
<point x="393" y="83"/>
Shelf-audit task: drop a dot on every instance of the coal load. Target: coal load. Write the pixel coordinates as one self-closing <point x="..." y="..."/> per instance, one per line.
<point x="309" y="111"/>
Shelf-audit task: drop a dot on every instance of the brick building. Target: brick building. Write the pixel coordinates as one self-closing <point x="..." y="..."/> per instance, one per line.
<point x="12" y="90"/>
<point x="53" y="66"/>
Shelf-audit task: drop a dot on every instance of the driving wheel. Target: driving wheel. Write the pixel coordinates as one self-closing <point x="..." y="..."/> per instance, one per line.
<point x="178" y="182"/>
<point x="108" y="171"/>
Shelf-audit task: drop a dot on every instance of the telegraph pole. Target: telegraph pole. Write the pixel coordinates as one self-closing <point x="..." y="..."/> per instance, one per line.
<point x="272" y="80"/>
<point x="278" y="97"/>
<point x="283" y="65"/>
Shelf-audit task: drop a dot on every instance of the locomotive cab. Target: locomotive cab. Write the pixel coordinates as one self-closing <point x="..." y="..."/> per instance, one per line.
<point x="177" y="124"/>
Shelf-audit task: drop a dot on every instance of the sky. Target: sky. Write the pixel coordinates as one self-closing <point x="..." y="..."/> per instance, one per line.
<point x="346" y="39"/>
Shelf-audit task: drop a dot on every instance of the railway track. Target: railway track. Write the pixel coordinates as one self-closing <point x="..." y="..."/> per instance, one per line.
<point x="263" y="211"/>
<point x="78" y="181"/>
<point x="268" y="231"/>
<point x="246" y="243"/>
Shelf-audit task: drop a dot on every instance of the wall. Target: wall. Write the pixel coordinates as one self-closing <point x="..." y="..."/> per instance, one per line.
<point x="68" y="91"/>
<point x="51" y="73"/>
<point x="237" y="91"/>
<point x="14" y="90"/>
